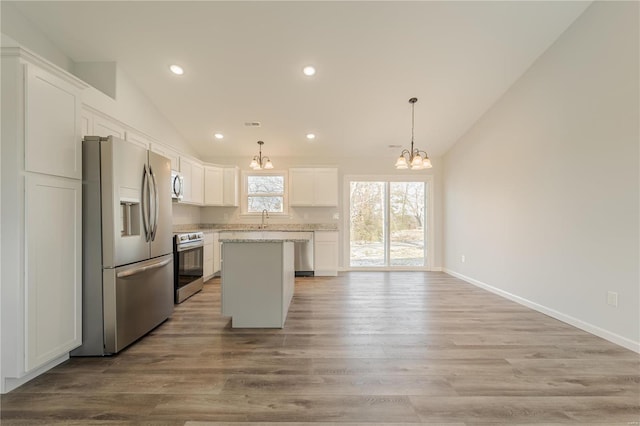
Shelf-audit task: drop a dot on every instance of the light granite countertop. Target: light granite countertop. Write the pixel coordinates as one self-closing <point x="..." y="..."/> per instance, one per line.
<point x="204" y="227"/>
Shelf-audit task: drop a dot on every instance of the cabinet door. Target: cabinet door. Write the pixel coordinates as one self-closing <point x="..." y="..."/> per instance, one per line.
<point x="217" y="252"/>
<point x="138" y="139"/>
<point x="213" y="186"/>
<point x="193" y="174"/>
<point x="53" y="284"/>
<point x="325" y="251"/>
<point x="197" y="180"/>
<point x="326" y="187"/>
<point x="53" y="144"/>
<point x="86" y="123"/>
<point x="170" y="153"/>
<point x="301" y="187"/>
<point x="105" y="127"/>
<point x="208" y="269"/>
<point x="187" y="175"/>
<point x="230" y="187"/>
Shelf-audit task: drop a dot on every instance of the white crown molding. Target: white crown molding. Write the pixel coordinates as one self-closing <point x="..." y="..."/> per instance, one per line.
<point x="29" y="56"/>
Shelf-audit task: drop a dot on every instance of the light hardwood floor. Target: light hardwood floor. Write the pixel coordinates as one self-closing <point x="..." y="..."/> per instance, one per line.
<point x="361" y="348"/>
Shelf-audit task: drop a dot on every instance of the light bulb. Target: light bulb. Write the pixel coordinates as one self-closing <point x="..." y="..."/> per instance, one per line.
<point x="401" y="163"/>
<point x="176" y="69"/>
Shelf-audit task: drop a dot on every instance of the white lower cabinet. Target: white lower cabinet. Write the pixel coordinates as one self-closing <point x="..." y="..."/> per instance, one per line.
<point x="217" y="253"/>
<point x="208" y="256"/>
<point x="212" y="254"/>
<point x="53" y="225"/>
<point x="325" y="252"/>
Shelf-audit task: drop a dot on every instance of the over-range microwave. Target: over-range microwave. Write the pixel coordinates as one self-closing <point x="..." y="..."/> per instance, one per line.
<point x="177" y="185"/>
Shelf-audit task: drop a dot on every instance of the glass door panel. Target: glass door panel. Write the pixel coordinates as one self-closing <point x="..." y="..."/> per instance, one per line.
<point x="367" y="224"/>
<point x="406" y="223"/>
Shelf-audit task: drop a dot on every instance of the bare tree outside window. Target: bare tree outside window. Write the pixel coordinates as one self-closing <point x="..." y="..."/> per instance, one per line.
<point x="387" y="224"/>
<point x="265" y="192"/>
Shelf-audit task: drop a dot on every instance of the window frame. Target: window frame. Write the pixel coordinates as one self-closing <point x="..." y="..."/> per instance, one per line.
<point x="245" y="191"/>
<point x="429" y="220"/>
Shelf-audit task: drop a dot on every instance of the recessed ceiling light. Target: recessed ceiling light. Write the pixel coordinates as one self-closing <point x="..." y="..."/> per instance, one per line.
<point x="311" y="136"/>
<point x="218" y="135"/>
<point x="176" y="69"/>
<point x="309" y="70"/>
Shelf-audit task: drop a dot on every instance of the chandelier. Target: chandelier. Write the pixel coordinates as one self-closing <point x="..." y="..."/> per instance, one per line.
<point x="414" y="158"/>
<point x="259" y="162"/>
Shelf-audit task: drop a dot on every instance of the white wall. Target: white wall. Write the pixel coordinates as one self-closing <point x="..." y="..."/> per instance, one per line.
<point x="541" y="195"/>
<point x="16" y="26"/>
<point x="130" y="106"/>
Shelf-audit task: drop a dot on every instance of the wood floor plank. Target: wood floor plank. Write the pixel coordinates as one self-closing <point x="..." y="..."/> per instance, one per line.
<point x="384" y="348"/>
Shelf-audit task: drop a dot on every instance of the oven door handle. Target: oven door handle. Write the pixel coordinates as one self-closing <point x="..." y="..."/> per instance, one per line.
<point x="140" y="270"/>
<point x="187" y="246"/>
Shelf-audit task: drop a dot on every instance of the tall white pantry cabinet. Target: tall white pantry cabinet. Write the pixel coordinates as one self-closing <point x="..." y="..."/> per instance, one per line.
<point x="41" y="221"/>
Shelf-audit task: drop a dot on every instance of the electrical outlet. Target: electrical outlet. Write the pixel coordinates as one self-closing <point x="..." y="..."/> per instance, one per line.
<point x="462" y="258"/>
<point x="336" y="216"/>
<point x="612" y="298"/>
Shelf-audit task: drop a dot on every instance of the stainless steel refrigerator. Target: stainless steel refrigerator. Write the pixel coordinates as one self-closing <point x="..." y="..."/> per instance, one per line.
<point x="127" y="240"/>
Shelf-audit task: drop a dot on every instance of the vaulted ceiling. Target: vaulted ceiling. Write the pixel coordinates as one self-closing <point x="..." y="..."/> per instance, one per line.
<point x="243" y="62"/>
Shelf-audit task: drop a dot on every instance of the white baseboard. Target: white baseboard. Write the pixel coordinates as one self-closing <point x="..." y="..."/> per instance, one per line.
<point x="590" y="328"/>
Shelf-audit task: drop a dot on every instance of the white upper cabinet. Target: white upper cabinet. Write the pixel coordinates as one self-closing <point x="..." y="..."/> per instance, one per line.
<point x="170" y="153"/>
<point x="220" y="186"/>
<point x="301" y="184"/>
<point x="53" y="141"/>
<point x="213" y="185"/>
<point x="138" y="139"/>
<point x="105" y="127"/>
<point x="313" y="187"/>
<point x="193" y="174"/>
<point x="230" y="187"/>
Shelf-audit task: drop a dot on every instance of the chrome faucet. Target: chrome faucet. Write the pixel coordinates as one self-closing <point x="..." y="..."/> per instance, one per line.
<point x="265" y="214"/>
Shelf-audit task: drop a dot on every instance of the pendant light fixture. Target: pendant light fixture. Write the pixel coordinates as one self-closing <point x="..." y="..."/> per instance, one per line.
<point x="414" y="158"/>
<point x="259" y="162"/>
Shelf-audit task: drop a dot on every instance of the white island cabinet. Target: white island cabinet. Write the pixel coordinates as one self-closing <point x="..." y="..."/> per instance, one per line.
<point x="258" y="279"/>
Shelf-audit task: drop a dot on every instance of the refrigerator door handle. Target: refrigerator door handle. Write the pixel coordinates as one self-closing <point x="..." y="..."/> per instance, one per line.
<point x="141" y="269"/>
<point x="156" y="204"/>
<point x="145" y="203"/>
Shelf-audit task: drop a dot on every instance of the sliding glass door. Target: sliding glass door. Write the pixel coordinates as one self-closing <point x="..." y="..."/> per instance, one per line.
<point x="387" y="224"/>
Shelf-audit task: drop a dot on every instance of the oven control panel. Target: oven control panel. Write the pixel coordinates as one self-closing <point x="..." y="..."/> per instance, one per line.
<point x="189" y="237"/>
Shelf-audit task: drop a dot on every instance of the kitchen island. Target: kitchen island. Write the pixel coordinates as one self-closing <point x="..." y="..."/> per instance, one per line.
<point x="257" y="278"/>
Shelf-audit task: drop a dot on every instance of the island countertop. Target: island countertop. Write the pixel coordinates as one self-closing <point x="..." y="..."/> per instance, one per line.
<point x="261" y="236"/>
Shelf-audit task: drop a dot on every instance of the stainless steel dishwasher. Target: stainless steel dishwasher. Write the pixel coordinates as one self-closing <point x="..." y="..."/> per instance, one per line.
<point x="303" y="252"/>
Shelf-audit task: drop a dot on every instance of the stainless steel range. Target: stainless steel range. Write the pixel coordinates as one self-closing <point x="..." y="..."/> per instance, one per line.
<point x="188" y="264"/>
